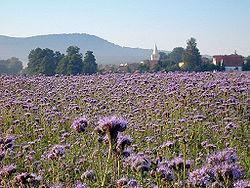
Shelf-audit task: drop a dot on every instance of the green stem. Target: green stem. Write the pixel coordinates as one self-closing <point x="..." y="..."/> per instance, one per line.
<point x="107" y="163"/>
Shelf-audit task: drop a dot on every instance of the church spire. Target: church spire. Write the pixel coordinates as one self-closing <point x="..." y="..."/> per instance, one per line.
<point x="155" y="51"/>
<point x="155" y="56"/>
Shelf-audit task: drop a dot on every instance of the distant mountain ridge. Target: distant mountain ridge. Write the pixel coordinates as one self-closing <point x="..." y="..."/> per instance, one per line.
<point x="105" y="51"/>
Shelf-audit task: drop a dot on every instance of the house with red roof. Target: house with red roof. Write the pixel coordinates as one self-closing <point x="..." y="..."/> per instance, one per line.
<point x="231" y="62"/>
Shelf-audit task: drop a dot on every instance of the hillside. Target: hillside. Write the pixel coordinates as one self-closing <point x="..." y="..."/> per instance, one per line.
<point x="105" y="52"/>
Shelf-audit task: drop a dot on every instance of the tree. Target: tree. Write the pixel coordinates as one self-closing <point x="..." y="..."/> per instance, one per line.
<point x="192" y="57"/>
<point x="11" y="66"/>
<point x="144" y="67"/>
<point x="163" y="56"/>
<point x="167" y="65"/>
<point x="246" y="66"/>
<point x="89" y="63"/>
<point x="176" y="55"/>
<point x="43" y="61"/>
<point x="71" y="64"/>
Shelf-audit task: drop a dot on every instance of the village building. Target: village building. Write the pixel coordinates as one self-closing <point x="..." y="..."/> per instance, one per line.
<point x="154" y="58"/>
<point x="230" y="62"/>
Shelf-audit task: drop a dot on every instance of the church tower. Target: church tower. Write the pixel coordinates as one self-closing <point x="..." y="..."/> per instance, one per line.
<point x="155" y="56"/>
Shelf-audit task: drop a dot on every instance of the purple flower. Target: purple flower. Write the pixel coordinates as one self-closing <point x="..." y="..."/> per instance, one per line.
<point x="7" y="171"/>
<point x="80" y="124"/>
<point x="122" y="182"/>
<point x="242" y="184"/>
<point x="122" y="142"/>
<point x="25" y="178"/>
<point x="138" y="162"/>
<point x="164" y="171"/>
<point x="132" y="184"/>
<point x="200" y="178"/>
<point x="90" y="175"/>
<point x="111" y="125"/>
<point x="177" y="163"/>
<point x="230" y="171"/>
<point x="56" y="151"/>
<point x="228" y="155"/>
<point x="80" y="185"/>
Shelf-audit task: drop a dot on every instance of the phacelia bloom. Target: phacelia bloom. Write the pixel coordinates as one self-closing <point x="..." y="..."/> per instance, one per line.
<point x="138" y="162"/>
<point x="90" y="175"/>
<point x="111" y="125"/>
<point x="8" y="142"/>
<point x="177" y="163"/>
<point x="25" y="178"/>
<point x="230" y="171"/>
<point x="7" y="171"/>
<point x="80" y="185"/>
<point x="200" y="178"/>
<point x="228" y="155"/>
<point x="242" y="184"/>
<point x="80" y="124"/>
<point x="121" y="182"/>
<point x="164" y="171"/>
<point x="122" y="142"/>
<point x="132" y="184"/>
<point x="56" y="151"/>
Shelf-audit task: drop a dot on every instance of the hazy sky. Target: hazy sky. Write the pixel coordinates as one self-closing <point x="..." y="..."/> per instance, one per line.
<point x="220" y="26"/>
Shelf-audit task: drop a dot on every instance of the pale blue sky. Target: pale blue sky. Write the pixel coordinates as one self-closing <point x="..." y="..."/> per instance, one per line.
<point x="220" y="26"/>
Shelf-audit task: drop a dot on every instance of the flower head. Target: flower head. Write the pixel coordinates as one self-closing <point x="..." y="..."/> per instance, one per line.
<point x="80" y="124"/>
<point x="111" y="125"/>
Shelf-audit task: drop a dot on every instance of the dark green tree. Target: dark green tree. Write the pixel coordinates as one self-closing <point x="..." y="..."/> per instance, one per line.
<point x="144" y="67"/>
<point x="163" y="56"/>
<point x="192" y="57"/>
<point x="89" y="63"/>
<point x="176" y="55"/>
<point x="168" y="65"/>
<point x="246" y="66"/>
<point x="72" y="63"/>
<point x="42" y="61"/>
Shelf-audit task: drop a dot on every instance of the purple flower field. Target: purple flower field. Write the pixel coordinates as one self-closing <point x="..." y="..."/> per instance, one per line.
<point x="125" y="130"/>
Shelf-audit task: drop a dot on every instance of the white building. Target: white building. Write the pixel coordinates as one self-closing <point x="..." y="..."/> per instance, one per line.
<point x="155" y="56"/>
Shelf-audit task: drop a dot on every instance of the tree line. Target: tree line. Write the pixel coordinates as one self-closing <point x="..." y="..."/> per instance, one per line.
<point x="49" y="62"/>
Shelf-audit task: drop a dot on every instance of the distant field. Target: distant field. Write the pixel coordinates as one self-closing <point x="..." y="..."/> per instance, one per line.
<point x="125" y="130"/>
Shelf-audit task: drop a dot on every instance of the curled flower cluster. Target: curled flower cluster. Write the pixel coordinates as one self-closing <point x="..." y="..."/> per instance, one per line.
<point x="138" y="162"/>
<point x="126" y="183"/>
<point x="111" y="126"/>
<point x="177" y="163"/>
<point x="90" y="175"/>
<point x="7" y="171"/>
<point x="80" y="124"/>
<point x="165" y="171"/>
<point x="26" y="178"/>
<point x="220" y="166"/>
<point x="7" y="143"/>
<point x="122" y="142"/>
<point x="242" y="184"/>
<point x="80" y="185"/>
<point x="56" y="152"/>
<point x="228" y="155"/>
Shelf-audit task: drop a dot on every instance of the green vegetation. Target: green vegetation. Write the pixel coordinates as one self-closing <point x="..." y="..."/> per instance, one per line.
<point x="47" y="62"/>
<point x="246" y="66"/>
<point x="11" y="66"/>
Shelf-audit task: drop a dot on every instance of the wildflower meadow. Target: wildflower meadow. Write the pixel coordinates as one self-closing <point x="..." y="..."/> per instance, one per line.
<point x="152" y="130"/>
